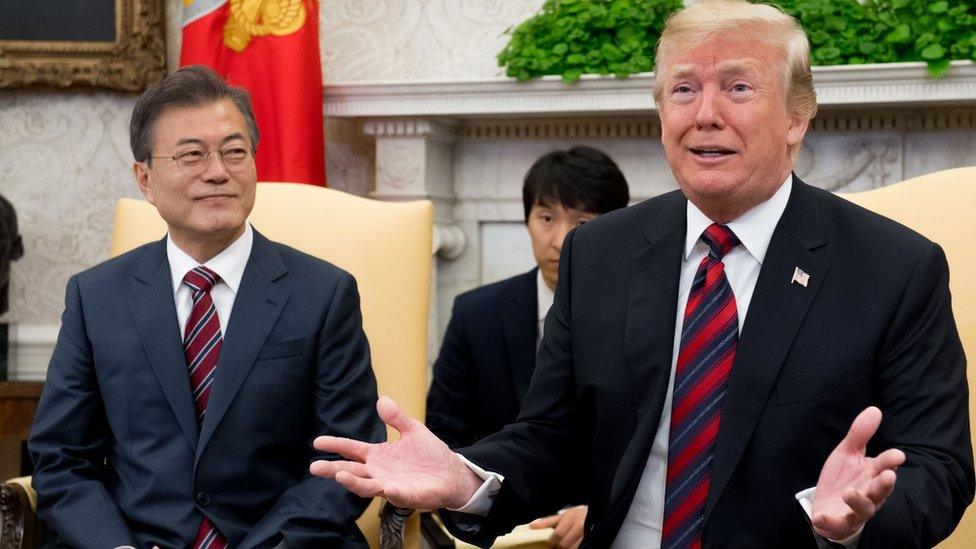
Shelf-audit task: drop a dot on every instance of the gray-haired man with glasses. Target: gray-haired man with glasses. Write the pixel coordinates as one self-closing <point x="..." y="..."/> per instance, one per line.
<point x="192" y="373"/>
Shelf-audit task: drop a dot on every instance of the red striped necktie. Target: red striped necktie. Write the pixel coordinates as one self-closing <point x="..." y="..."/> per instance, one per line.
<point x="201" y="344"/>
<point x="709" y="337"/>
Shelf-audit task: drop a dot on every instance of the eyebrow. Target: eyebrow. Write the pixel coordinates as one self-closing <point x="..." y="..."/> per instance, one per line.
<point x="737" y="67"/>
<point x="196" y="141"/>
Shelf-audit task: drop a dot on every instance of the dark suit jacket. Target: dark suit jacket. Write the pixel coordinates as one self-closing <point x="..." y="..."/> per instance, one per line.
<point x="486" y="361"/>
<point x="874" y="326"/>
<point x="119" y="457"/>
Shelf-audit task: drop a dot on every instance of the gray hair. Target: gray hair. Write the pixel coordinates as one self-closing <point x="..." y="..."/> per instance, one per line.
<point x="190" y="86"/>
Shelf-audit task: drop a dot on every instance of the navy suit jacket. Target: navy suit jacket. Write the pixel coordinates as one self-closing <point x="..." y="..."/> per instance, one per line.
<point x="482" y="373"/>
<point x="119" y="457"/>
<point x="873" y="325"/>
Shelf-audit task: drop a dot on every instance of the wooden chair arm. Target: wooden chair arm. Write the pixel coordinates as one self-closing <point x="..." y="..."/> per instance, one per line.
<point x="19" y="526"/>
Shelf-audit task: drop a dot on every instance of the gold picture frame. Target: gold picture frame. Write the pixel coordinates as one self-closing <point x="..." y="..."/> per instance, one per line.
<point x="135" y="59"/>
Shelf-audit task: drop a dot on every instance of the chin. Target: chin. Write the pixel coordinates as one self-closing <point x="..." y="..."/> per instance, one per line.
<point x="710" y="185"/>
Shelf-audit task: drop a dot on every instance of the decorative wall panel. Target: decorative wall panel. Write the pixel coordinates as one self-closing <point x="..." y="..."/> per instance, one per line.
<point x="64" y="161"/>
<point x="416" y="39"/>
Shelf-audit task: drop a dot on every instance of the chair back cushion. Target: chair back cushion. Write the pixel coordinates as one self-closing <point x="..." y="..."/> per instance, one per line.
<point x="942" y="207"/>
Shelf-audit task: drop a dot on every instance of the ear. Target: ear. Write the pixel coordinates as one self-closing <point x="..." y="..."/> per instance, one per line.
<point x="141" y="171"/>
<point x="798" y="129"/>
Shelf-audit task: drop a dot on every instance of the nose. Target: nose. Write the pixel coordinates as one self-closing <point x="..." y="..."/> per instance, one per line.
<point x="215" y="170"/>
<point x="559" y="235"/>
<point x="708" y="114"/>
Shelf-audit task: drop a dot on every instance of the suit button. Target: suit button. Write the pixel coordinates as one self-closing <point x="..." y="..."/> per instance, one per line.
<point x="203" y="499"/>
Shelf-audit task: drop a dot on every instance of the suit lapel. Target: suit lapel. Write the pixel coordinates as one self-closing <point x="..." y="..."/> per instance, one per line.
<point x="649" y="336"/>
<point x="153" y="310"/>
<point x="257" y="305"/>
<point x="520" y="327"/>
<point x="775" y="315"/>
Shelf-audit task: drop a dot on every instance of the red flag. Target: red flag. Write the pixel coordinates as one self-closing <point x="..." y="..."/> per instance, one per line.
<point x="270" y="48"/>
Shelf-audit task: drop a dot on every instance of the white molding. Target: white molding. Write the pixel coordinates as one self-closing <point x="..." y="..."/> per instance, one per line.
<point x="31" y="347"/>
<point x="449" y="241"/>
<point x="877" y="85"/>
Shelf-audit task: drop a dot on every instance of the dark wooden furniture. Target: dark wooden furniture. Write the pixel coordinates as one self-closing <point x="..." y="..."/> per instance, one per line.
<point x="19" y="526"/>
<point x="18" y="403"/>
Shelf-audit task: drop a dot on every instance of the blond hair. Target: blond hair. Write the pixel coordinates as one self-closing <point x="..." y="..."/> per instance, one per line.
<point x="697" y="23"/>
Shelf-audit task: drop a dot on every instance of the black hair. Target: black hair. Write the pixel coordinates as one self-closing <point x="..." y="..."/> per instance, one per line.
<point x="582" y="178"/>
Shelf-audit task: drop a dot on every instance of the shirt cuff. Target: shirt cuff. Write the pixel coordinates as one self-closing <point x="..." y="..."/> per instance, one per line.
<point x="805" y="498"/>
<point x="482" y="500"/>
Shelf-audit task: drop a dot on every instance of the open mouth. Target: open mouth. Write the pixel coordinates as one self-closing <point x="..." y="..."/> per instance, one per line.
<point x="711" y="152"/>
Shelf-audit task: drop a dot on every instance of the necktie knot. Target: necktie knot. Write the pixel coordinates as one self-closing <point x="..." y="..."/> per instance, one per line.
<point x="201" y="279"/>
<point x="720" y="240"/>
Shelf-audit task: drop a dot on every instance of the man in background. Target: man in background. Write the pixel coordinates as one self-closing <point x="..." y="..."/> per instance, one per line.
<point x="488" y="356"/>
<point x="11" y="249"/>
<point x="191" y="373"/>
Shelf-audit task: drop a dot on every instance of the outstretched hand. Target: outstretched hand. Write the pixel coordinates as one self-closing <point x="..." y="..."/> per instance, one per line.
<point x="416" y="471"/>
<point x="852" y="487"/>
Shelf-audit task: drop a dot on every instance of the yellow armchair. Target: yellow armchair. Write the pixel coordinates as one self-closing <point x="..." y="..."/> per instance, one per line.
<point x="385" y="245"/>
<point x="941" y="206"/>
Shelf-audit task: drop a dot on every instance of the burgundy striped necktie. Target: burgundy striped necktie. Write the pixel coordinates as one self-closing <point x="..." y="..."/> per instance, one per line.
<point x="201" y="344"/>
<point x="709" y="337"/>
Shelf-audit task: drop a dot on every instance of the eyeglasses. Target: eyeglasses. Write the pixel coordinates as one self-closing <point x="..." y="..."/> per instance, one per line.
<point x="194" y="162"/>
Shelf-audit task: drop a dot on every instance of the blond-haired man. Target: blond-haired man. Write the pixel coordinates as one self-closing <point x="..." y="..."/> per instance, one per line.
<point x="717" y="360"/>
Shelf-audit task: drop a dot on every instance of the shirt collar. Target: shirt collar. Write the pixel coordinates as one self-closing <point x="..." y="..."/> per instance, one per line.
<point x="229" y="264"/>
<point x="544" y="296"/>
<point x="754" y="228"/>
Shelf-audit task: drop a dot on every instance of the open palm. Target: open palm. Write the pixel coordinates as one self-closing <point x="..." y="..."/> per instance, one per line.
<point x="416" y="471"/>
<point x="852" y="486"/>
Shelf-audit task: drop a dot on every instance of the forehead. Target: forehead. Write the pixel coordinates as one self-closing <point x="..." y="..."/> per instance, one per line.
<point x="723" y="56"/>
<point x="210" y="122"/>
<point x="553" y="204"/>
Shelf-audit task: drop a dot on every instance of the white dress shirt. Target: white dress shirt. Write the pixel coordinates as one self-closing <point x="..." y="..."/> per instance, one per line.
<point x="228" y="264"/>
<point x="642" y="526"/>
<point x="544" y="298"/>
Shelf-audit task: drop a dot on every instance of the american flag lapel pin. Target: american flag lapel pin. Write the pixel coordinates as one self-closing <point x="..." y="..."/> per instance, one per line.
<point x="800" y="277"/>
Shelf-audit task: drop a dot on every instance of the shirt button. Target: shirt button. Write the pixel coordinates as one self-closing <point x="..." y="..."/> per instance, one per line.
<point x="203" y="499"/>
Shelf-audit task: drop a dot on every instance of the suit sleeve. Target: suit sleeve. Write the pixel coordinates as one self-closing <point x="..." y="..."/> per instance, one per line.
<point x="539" y="453"/>
<point x="319" y="512"/>
<point x="452" y="391"/>
<point x="69" y="442"/>
<point x="922" y="391"/>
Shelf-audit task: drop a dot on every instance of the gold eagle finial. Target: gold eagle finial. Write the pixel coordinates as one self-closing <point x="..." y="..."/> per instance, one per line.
<point x="250" y="18"/>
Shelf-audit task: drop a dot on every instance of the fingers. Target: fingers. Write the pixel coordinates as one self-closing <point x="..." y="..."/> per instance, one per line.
<point x="865" y="504"/>
<point x="345" y="447"/>
<point x="544" y="522"/>
<point x="362" y="487"/>
<point x="570" y="532"/>
<point x="862" y="504"/>
<point x="329" y="469"/>
<point x="889" y="460"/>
<point x="568" y="529"/>
<point x="881" y="487"/>
<point x="836" y="527"/>
<point x="863" y="428"/>
<point x="392" y="415"/>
